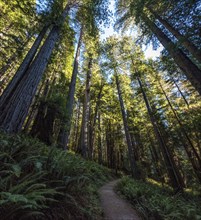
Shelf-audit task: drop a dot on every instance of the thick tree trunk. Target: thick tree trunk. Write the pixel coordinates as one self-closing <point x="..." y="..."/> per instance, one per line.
<point x="15" y="111"/>
<point x="39" y="120"/>
<point x="65" y="132"/>
<point x="196" y="53"/>
<point x="37" y="126"/>
<point x="192" y="72"/>
<point x="173" y="173"/>
<point x="84" y="143"/>
<point x="134" y="168"/>
<point x="10" y="89"/>
<point x="34" y="108"/>
<point x="43" y="127"/>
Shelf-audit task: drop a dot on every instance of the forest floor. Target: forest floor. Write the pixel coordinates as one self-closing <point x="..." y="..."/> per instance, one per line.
<point x="114" y="207"/>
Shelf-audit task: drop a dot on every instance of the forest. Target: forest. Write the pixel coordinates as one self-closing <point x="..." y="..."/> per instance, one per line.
<point x="78" y="111"/>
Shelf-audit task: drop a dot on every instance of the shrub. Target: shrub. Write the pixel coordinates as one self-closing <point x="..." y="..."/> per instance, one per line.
<point x="40" y="182"/>
<point x="155" y="202"/>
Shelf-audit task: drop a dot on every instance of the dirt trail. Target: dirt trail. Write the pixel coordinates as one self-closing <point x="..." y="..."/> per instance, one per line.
<point x="114" y="207"/>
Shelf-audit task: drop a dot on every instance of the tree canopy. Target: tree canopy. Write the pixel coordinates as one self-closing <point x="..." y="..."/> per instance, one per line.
<point x="102" y="99"/>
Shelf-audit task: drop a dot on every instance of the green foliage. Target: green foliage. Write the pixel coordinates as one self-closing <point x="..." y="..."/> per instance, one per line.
<point x="43" y="183"/>
<point x="156" y="202"/>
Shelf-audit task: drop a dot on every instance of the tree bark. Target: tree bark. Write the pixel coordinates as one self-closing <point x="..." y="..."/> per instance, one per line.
<point x="134" y="168"/>
<point x="182" y="39"/>
<point x="100" y="157"/>
<point x="34" y="108"/>
<point x="42" y="109"/>
<point x="15" y="111"/>
<point x="93" y="124"/>
<point x="64" y="137"/>
<point x="84" y="143"/>
<point x="10" y="89"/>
<point x="76" y="127"/>
<point x="173" y="174"/>
<point x="110" y="145"/>
<point x="192" y="151"/>
<point x="192" y="72"/>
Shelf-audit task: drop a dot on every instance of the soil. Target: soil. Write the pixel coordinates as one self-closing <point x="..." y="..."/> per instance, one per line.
<point x="114" y="207"/>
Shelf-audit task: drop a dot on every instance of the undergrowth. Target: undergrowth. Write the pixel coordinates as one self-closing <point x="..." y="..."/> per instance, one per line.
<point x="40" y="182"/>
<point x="156" y="203"/>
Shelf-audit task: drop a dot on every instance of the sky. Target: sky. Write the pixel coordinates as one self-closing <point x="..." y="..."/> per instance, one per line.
<point x="109" y="31"/>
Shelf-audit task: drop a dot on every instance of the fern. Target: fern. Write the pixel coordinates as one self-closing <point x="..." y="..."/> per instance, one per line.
<point x="155" y="203"/>
<point x="37" y="182"/>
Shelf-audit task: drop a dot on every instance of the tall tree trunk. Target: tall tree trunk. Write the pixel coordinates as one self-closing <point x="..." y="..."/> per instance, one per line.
<point x="93" y="124"/>
<point x="10" y="89"/>
<point x="195" y="160"/>
<point x="44" y="123"/>
<point x="65" y="132"/>
<point x="134" y="168"/>
<point x="76" y="136"/>
<point x="197" y="138"/>
<point x="110" y="145"/>
<point x="15" y="111"/>
<point x="182" y="39"/>
<point x="34" y="108"/>
<point x="192" y="72"/>
<point x="173" y="173"/>
<point x="42" y="109"/>
<point x="134" y="142"/>
<point x="85" y="118"/>
<point x="100" y="159"/>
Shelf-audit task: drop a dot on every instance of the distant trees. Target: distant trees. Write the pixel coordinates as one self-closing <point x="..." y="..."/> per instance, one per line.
<point x="152" y="16"/>
<point x="152" y="136"/>
<point x="14" y="110"/>
<point x="104" y="100"/>
<point x="17" y="28"/>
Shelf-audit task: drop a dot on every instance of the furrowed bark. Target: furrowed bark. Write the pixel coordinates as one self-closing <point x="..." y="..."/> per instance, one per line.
<point x="192" y="72"/>
<point x="10" y="89"/>
<point x="16" y="108"/>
